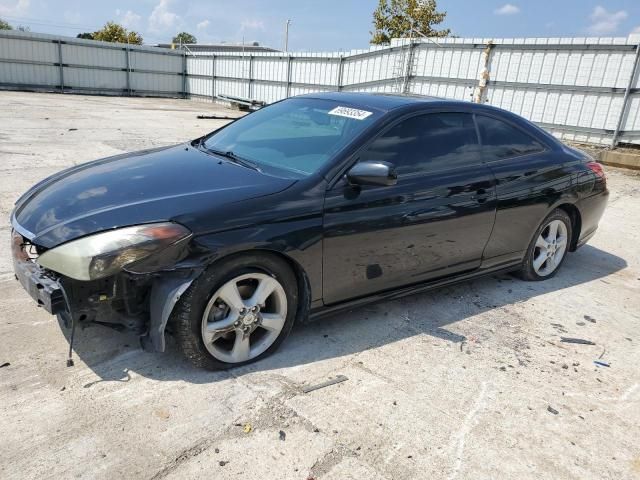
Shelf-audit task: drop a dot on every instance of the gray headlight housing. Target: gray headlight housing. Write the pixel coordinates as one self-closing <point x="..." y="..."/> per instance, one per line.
<point x="106" y="253"/>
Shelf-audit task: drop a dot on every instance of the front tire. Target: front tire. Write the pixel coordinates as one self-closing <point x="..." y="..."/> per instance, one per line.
<point x="237" y="312"/>
<point x="548" y="248"/>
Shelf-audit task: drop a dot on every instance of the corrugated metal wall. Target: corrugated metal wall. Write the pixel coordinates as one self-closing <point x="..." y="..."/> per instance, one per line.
<point x="47" y="62"/>
<point x="582" y="89"/>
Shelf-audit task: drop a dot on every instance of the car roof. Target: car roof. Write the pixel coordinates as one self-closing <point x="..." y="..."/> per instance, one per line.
<point x="380" y="101"/>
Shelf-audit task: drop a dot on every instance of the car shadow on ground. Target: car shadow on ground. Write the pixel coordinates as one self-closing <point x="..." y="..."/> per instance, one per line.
<point x="113" y="356"/>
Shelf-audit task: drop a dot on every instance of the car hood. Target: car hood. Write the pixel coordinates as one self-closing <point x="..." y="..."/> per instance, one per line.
<point x="178" y="183"/>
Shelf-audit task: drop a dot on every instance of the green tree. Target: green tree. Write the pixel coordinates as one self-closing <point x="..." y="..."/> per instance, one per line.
<point x="5" y="25"/>
<point x="112" y="32"/>
<point x="396" y="18"/>
<point x="184" y="37"/>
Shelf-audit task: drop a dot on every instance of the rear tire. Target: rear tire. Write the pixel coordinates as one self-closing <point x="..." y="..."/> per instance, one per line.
<point x="223" y="321"/>
<point x="548" y="247"/>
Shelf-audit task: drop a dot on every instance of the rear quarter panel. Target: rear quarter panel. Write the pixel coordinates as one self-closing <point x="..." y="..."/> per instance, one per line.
<point x="528" y="189"/>
<point x="594" y="195"/>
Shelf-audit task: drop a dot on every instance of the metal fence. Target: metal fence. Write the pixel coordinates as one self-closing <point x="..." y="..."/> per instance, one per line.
<point x="580" y="89"/>
<point x="46" y="62"/>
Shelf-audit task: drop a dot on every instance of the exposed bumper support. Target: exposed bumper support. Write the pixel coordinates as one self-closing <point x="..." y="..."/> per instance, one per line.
<point x="44" y="290"/>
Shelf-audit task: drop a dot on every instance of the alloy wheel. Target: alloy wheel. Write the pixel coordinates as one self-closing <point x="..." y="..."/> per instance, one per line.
<point x="244" y="317"/>
<point x="550" y="248"/>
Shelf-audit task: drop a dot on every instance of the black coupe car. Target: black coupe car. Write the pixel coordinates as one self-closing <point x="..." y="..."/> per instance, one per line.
<point x="311" y="205"/>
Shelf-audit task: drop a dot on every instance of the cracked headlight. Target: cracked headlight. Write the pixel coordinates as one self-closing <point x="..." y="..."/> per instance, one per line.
<point x="104" y="254"/>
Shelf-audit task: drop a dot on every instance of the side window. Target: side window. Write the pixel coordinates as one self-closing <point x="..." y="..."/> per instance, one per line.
<point x="433" y="141"/>
<point x="501" y="140"/>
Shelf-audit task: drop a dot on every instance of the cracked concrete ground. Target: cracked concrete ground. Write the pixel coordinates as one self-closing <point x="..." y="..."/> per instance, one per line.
<point x="456" y="383"/>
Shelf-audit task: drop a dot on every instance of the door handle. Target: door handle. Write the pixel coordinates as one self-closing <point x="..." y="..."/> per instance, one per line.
<point x="481" y="195"/>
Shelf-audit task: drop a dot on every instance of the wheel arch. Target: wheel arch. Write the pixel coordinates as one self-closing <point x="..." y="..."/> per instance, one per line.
<point x="576" y="223"/>
<point x="303" y="283"/>
<point x="166" y="291"/>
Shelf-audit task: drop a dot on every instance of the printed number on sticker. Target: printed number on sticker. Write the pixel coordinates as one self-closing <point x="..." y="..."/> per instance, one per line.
<point x="350" y="113"/>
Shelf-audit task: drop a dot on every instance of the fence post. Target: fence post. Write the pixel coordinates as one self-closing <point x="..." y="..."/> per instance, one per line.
<point x="250" y="85"/>
<point x="340" y="72"/>
<point x="289" y="76"/>
<point x="61" y="66"/>
<point x="625" y="101"/>
<point x="184" y="74"/>
<point x="213" y="78"/>
<point x="128" y="63"/>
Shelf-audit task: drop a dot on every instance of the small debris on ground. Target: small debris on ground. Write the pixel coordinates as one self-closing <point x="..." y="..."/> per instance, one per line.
<point x="282" y="435"/>
<point x="311" y="388"/>
<point x="552" y="410"/>
<point x="589" y="318"/>
<point x="580" y="341"/>
<point x="222" y="463"/>
<point x="601" y="363"/>
<point x="5" y="364"/>
<point x="215" y="117"/>
<point x="162" y="413"/>
<point x="247" y="428"/>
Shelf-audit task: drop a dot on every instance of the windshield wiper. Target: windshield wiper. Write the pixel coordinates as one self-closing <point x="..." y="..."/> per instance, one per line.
<point x="233" y="157"/>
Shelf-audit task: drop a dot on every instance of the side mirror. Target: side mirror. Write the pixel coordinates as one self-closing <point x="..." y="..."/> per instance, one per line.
<point x="373" y="173"/>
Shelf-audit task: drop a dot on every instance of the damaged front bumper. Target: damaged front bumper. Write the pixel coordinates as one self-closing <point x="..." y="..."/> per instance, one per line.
<point x="44" y="289"/>
<point x="141" y="302"/>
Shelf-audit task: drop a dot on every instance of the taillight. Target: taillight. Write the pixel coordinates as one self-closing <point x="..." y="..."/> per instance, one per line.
<point x="596" y="168"/>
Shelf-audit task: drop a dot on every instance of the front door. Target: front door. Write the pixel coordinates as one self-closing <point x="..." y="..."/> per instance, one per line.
<point x="436" y="221"/>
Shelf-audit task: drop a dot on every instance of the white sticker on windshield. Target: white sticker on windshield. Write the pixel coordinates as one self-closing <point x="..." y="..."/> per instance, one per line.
<point x="350" y="113"/>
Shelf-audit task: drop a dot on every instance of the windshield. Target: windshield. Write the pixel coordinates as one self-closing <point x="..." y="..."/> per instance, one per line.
<point x="297" y="135"/>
